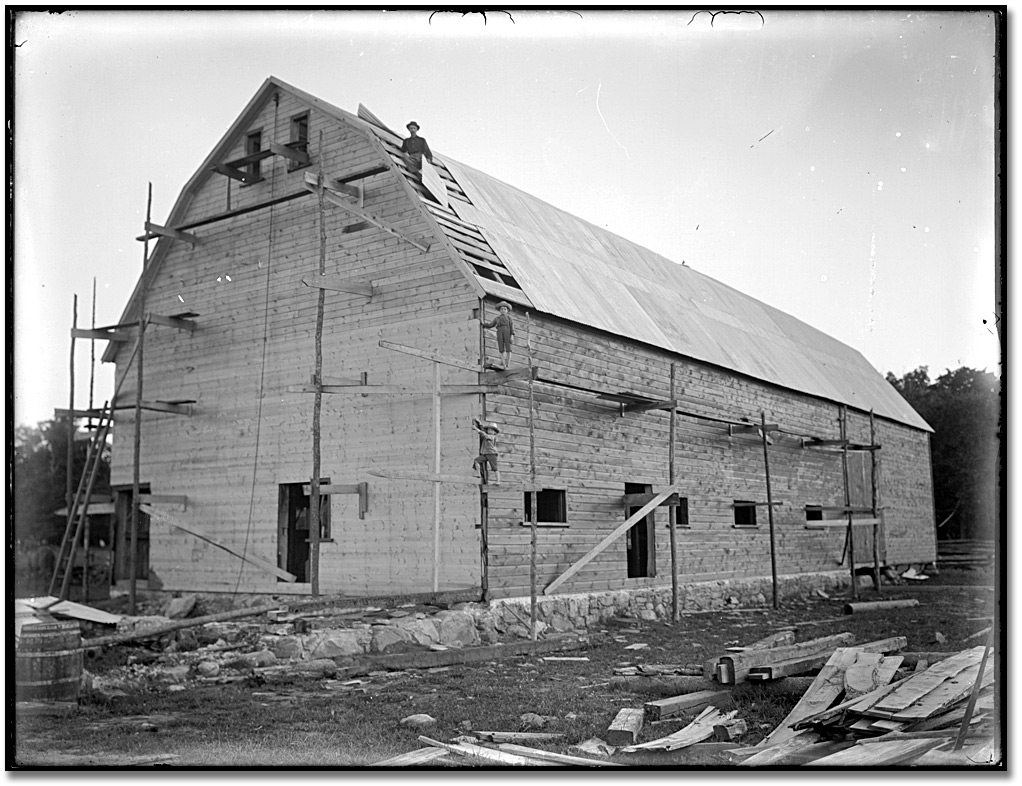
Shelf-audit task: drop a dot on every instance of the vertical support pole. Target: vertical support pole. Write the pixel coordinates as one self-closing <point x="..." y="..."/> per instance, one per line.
<point x="770" y="509"/>
<point x="85" y="556"/>
<point x="133" y="546"/>
<point x="69" y="467"/>
<point x="850" y="533"/>
<point x="874" y="482"/>
<point x="533" y="497"/>
<point x="317" y="405"/>
<point x="484" y="496"/>
<point x="672" y="511"/>
<point x="92" y="354"/>
<point x="436" y="471"/>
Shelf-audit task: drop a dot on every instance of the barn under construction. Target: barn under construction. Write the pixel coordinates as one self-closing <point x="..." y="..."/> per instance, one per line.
<point x="311" y="325"/>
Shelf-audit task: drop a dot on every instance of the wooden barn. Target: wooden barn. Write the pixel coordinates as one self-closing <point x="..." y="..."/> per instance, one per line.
<point x="315" y="302"/>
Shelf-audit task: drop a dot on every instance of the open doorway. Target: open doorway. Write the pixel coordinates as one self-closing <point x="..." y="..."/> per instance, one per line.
<point x="122" y="536"/>
<point x="640" y="541"/>
<point x="293" y="548"/>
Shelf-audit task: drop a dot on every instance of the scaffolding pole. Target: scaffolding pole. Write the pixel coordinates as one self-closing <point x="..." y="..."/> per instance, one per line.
<point x="874" y="471"/>
<point x="533" y="497"/>
<point x="69" y="469"/>
<point x="770" y="508"/>
<point x="484" y="497"/>
<point x="314" y="512"/>
<point x="135" y="485"/>
<point x="672" y="511"/>
<point x="850" y="533"/>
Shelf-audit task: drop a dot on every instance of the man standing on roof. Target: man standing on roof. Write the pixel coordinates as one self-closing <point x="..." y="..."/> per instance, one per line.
<point x="505" y="331"/>
<point x="415" y="147"/>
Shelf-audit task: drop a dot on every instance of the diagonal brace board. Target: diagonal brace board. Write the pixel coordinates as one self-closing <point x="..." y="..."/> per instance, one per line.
<point x="429" y="354"/>
<point x="617" y="533"/>
<point x="312" y="184"/>
<point x="191" y="529"/>
<point x="341" y="284"/>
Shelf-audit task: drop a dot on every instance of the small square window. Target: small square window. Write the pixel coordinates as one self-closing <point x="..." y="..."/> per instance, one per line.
<point x="745" y="513"/>
<point x="814" y="513"/>
<point x="551" y="506"/>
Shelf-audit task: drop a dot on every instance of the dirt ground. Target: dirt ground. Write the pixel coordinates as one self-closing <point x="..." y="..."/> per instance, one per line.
<point x="291" y="720"/>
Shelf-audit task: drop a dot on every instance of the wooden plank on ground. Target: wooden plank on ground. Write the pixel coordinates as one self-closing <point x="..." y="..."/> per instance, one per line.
<point x="488" y="754"/>
<point x="193" y="530"/>
<point x="946" y="694"/>
<point x="665" y="708"/>
<point x="801" y="665"/>
<point x="869" y="672"/>
<point x="698" y="730"/>
<point x="918" y="685"/>
<point x="738" y="664"/>
<point x="609" y="539"/>
<point x="824" y="691"/>
<point x="413" y="758"/>
<point x="882" y="754"/>
<point x="782" y="638"/>
<point x="517" y="736"/>
<point x="625" y="728"/>
<point x="560" y="758"/>
<point x="775" y="754"/>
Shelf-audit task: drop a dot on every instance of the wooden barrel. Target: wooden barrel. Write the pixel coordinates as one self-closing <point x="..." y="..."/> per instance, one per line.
<point x="47" y="663"/>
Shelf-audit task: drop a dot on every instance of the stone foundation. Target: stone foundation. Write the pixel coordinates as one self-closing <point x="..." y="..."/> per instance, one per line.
<point x="583" y="610"/>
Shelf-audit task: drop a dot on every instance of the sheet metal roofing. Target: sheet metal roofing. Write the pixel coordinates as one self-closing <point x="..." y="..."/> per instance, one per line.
<point x="572" y="269"/>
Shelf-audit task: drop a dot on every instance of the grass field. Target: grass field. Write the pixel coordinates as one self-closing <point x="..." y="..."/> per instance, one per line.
<point x="314" y="722"/>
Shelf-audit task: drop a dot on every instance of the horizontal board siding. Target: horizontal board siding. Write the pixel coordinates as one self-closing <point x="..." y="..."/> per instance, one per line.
<point x="588" y="447"/>
<point x="247" y="433"/>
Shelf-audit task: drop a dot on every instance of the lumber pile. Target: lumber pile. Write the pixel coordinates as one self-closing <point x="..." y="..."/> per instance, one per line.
<point x="965" y="553"/>
<point x="854" y="715"/>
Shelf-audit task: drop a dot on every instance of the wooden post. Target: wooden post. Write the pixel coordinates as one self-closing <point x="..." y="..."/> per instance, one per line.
<point x="484" y="497"/>
<point x="436" y="471"/>
<point x="533" y="497"/>
<point x="850" y="536"/>
<point x="672" y="511"/>
<point x="135" y="491"/>
<point x="92" y="354"/>
<point x="874" y="471"/>
<point x="69" y="468"/>
<point x="770" y="509"/>
<point x="317" y="405"/>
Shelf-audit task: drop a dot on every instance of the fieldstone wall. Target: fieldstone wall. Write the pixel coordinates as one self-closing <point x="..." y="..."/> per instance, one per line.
<point x="583" y="610"/>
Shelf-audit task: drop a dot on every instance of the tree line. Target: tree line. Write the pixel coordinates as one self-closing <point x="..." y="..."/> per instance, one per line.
<point x="964" y="409"/>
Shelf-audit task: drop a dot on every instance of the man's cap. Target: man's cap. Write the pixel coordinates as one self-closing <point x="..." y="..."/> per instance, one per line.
<point x="504" y="304"/>
<point x="488" y="424"/>
<point x="412" y="123"/>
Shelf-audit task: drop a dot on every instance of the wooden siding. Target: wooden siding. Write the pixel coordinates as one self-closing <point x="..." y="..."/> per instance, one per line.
<point x="247" y="433"/>
<point x="587" y="446"/>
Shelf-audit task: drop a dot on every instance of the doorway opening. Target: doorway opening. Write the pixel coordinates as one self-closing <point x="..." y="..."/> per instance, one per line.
<point x="640" y="540"/>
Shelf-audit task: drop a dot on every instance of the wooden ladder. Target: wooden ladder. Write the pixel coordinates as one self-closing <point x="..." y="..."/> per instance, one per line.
<point x="79" y="508"/>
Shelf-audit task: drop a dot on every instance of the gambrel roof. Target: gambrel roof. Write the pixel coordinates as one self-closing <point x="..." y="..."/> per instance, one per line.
<point x="519" y="248"/>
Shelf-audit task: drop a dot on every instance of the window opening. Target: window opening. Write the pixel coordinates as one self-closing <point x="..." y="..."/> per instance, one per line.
<point x="640" y="545"/>
<point x="551" y="506"/>
<point x="814" y="513"/>
<point x="293" y="548"/>
<point x="681" y="513"/>
<point x="253" y="144"/>
<point x="745" y="513"/>
<point x="299" y="138"/>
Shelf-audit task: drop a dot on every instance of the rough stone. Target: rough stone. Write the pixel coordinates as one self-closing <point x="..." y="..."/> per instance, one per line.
<point x="208" y="668"/>
<point x="456" y="628"/>
<point x="560" y="624"/>
<point x="335" y="643"/>
<point x="179" y="608"/>
<point x="286" y="647"/>
<point x="186" y="640"/>
<point x="319" y="666"/>
<point x="530" y="720"/>
<point x="261" y="658"/>
<point x="418" y="720"/>
<point x="422" y="631"/>
<point x="176" y="673"/>
<point x="647" y="614"/>
<point x="387" y="636"/>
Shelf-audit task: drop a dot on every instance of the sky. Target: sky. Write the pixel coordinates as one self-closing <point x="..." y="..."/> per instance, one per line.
<point x="838" y="165"/>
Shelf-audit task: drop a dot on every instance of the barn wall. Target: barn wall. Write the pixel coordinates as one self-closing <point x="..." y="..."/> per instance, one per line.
<point x="248" y="433"/>
<point x="586" y="446"/>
